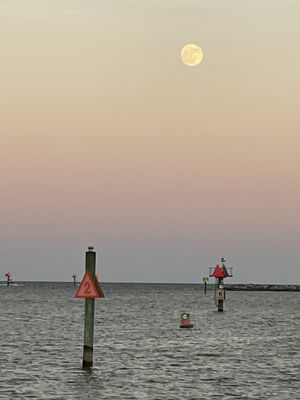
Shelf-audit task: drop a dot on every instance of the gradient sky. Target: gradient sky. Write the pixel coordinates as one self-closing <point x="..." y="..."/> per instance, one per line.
<point x="108" y="139"/>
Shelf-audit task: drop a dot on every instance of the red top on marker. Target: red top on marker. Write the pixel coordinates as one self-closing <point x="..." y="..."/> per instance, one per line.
<point x="87" y="288"/>
<point x="218" y="272"/>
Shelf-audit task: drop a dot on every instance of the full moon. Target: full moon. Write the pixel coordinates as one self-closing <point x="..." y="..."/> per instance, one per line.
<point x="191" y="55"/>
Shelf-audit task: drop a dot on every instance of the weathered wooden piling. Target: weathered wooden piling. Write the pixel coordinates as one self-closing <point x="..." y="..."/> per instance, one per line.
<point x="89" y="289"/>
<point x="88" y="347"/>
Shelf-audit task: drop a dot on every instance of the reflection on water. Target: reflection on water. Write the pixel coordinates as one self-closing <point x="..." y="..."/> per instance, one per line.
<point x="250" y="351"/>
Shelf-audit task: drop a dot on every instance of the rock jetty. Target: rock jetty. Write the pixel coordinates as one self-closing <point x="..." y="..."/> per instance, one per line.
<point x="263" y="287"/>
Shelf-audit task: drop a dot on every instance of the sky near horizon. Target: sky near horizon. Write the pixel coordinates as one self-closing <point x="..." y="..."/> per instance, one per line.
<point x="108" y="139"/>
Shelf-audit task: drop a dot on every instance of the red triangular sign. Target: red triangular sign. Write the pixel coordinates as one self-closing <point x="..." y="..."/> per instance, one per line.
<point x="218" y="272"/>
<point x="87" y="288"/>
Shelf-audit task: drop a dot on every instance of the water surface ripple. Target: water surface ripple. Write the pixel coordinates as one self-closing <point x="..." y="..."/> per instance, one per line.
<point x="251" y="351"/>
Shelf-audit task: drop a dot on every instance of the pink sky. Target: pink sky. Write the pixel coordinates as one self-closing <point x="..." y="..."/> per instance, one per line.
<point x="108" y="139"/>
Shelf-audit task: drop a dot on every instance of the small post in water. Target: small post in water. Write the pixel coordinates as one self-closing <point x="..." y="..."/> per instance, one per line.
<point x="205" y="280"/>
<point x="89" y="289"/>
<point x="74" y="276"/>
<point x="9" y="278"/>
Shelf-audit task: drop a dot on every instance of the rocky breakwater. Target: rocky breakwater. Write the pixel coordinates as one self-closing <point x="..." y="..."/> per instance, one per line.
<point x="263" y="287"/>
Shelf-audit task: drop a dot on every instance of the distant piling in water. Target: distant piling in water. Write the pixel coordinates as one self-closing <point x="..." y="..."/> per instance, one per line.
<point x="205" y="280"/>
<point x="8" y="278"/>
<point x="74" y="276"/>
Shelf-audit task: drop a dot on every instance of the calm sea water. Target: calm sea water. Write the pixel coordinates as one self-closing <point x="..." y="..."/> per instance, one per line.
<point x="251" y="351"/>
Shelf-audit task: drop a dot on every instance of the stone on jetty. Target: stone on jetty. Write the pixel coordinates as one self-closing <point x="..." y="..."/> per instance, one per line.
<point x="264" y="287"/>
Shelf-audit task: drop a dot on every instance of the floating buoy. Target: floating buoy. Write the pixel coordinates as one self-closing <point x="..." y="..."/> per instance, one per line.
<point x="186" y="320"/>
